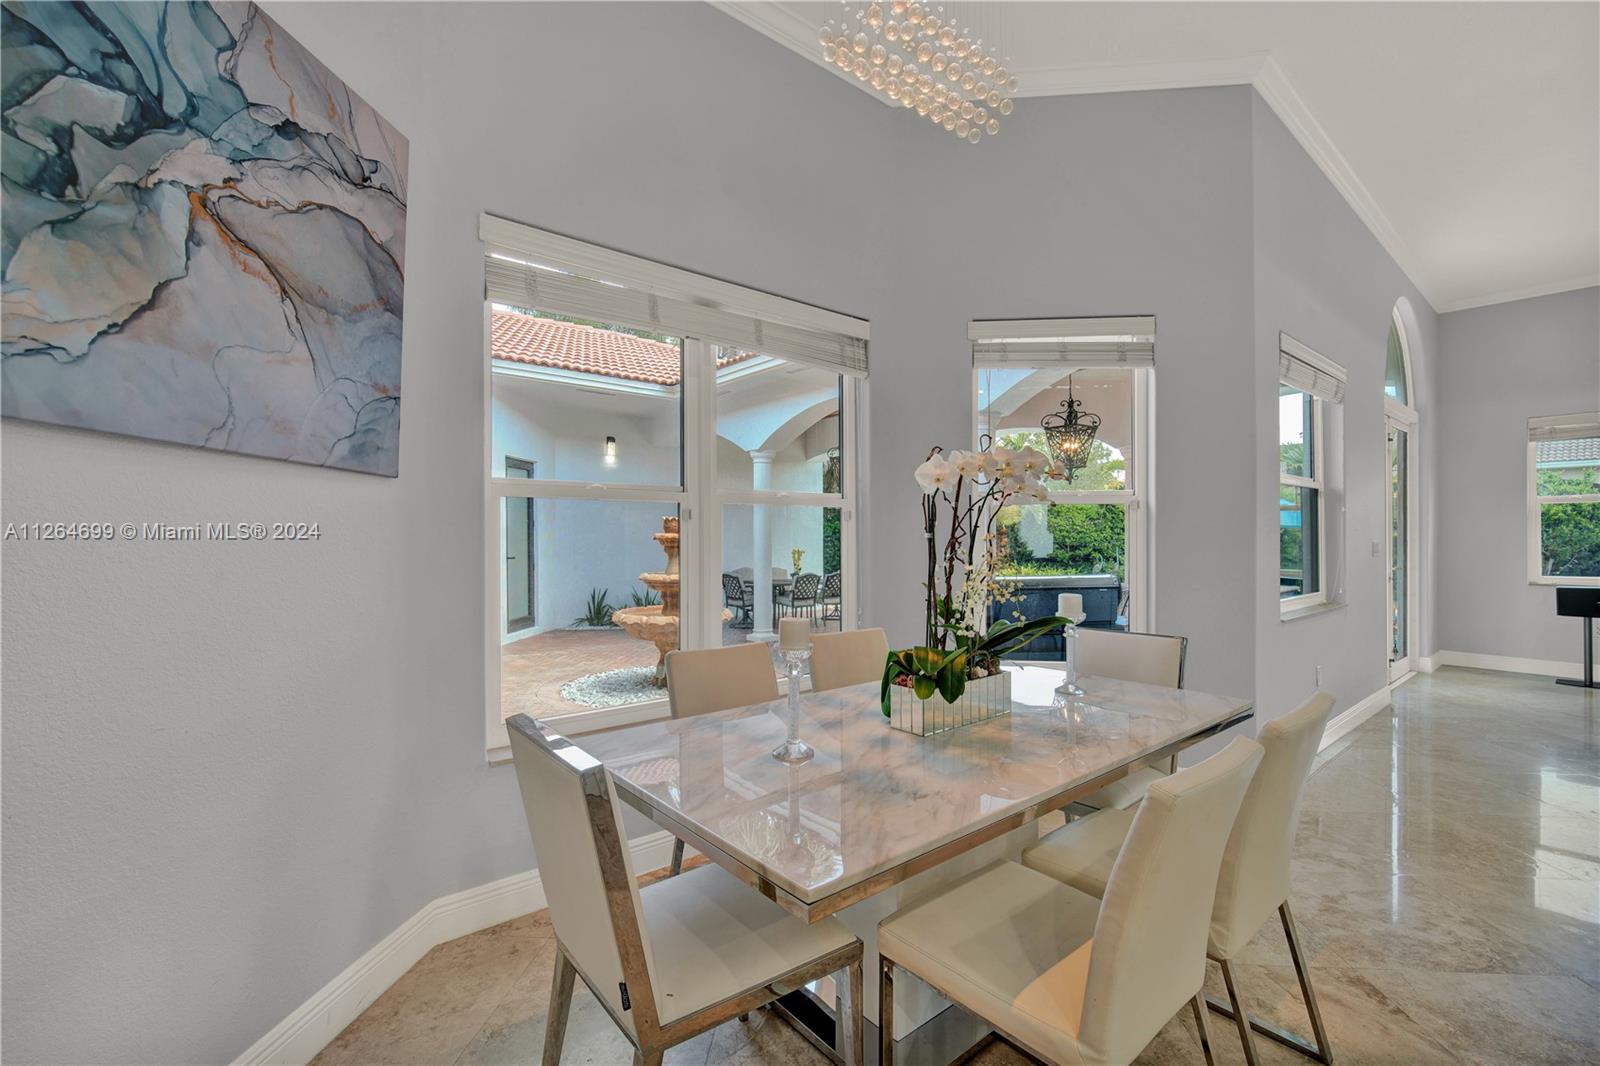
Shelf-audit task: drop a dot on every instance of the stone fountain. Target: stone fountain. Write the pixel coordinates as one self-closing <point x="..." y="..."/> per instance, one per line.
<point x="658" y="623"/>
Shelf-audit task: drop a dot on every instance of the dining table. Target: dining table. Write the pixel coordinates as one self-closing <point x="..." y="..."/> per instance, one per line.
<point x="878" y="818"/>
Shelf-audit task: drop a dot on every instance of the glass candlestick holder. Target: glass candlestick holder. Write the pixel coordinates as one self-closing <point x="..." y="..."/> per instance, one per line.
<point x="1069" y="683"/>
<point x="794" y="751"/>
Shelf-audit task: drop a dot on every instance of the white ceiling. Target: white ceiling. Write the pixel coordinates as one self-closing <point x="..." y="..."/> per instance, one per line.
<point x="1466" y="135"/>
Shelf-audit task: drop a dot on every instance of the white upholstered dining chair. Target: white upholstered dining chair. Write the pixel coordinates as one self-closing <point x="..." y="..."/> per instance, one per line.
<point x="675" y="958"/>
<point x="853" y="657"/>
<point x="1253" y="880"/>
<point x="1066" y="976"/>
<point x="1146" y="658"/>
<point x="715" y="679"/>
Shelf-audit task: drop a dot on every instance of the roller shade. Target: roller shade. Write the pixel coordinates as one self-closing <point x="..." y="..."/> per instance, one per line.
<point x="524" y="285"/>
<point x="1301" y="368"/>
<point x="1127" y="341"/>
<point x="1564" y="427"/>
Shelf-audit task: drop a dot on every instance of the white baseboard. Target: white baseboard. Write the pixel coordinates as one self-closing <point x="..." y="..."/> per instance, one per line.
<point x="1509" y="663"/>
<point x="1346" y="720"/>
<point x="307" y="1030"/>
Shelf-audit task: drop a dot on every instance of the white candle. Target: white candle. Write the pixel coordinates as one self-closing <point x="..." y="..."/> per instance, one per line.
<point x="794" y="634"/>
<point x="1070" y="605"/>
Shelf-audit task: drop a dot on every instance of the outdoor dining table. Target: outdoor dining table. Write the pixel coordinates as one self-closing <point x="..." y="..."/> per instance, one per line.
<point x="879" y="817"/>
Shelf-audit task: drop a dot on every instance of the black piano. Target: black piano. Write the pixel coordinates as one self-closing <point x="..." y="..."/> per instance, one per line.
<point x="1584" y="603"/>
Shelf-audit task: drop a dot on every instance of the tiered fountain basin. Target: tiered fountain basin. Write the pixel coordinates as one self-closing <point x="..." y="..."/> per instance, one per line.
<point x="658" y="623"/>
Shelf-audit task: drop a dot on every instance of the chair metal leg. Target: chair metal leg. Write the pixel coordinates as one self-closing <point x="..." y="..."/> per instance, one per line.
<point x="555" y="1025"/>
<point x="849" y="1040"/>
<point x="885" y="1011"/>
<point x="1240" y="1018"/>
<point x="1322" y="1050"/>
<point x="677" y="857"/>
<point x="1199" y="1009"/>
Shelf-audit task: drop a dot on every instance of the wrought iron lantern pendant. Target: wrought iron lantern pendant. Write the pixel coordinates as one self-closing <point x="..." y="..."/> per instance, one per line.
<point x="1070" y="436"/>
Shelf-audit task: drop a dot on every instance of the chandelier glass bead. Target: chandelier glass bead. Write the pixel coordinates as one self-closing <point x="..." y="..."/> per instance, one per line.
<point x="886" y="46"/>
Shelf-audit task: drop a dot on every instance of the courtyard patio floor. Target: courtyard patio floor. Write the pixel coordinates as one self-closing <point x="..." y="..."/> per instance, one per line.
<point x="534" y="669"/>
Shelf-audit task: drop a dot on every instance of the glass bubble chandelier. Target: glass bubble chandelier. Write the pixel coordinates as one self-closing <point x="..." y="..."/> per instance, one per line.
<point x="920" y="58"/>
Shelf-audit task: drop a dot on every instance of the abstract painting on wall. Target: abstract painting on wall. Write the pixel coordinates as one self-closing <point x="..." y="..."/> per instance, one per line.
<point x="204" y="235"/>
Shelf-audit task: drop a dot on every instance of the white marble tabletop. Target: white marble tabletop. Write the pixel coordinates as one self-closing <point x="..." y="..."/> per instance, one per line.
<point x="876" y="803"/>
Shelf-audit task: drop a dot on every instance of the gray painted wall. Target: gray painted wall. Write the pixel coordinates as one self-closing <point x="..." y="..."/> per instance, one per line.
<point x="1502" y="365"/>
<point x="1135" y="203"/>
<point x="1321" y="277"/>
<point x="229" y="771"/>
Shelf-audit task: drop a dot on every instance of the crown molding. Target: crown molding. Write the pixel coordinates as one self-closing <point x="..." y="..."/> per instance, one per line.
<point x="794" y="31"/>
<point x="1505" y="296"/>
<point x="1280" y="95"/>
<point x="790" y="29"/>
<point x="1139" y="77"/>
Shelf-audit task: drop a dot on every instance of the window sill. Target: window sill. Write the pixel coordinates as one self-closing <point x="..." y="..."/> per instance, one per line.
<point x="1311" y="610"/>
<point x="1552" y="582"/>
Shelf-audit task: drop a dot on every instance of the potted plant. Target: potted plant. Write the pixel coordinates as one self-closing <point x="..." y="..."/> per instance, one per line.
<point x="954" y="678"/>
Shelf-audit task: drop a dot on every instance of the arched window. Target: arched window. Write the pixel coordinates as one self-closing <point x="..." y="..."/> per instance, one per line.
<point x="1397" y="371"/>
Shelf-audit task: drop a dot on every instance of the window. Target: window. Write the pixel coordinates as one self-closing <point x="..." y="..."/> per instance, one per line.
<point x="1310" y="388"/>
<point x="1564" y="500"/>
<point x="1397" y="368"/>
<point x="1090" y="538"/>
<point x="649" y="432"/>
<point x="1300" y="489"/>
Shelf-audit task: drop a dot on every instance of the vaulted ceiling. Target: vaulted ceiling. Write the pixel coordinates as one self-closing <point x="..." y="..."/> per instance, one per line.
<point x="1466" y="135"/>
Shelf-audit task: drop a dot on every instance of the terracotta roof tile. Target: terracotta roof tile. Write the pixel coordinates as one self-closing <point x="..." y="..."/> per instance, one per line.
<point x="536" y="341"/>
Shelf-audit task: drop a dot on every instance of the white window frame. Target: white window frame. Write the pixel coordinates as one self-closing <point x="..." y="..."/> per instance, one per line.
<point x="1536" y="525"/>
<point x="697" y="498"/>
<point x="1408" y="409"/>
<point x="1317" y="483"/>
<point x="1137" y="501"/>
<point x="1404" y="417"/>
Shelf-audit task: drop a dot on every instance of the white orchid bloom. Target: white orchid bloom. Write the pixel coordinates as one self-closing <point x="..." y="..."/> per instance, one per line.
<point x="1034" y="463"/>
<point x="935" y="475"/>
<point x="1034" y="489"/>
<point x="969" y="465"/>
<point x="1006" y="463"/>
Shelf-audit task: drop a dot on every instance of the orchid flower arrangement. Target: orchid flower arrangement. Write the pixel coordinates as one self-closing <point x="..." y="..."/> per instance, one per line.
<point x="963" y="493"/>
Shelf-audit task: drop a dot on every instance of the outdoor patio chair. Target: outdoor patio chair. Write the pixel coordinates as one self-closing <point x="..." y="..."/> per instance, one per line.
<point x="832" y="597"/>
<point x="736" y="597"/>
<point x="802" y="595"/>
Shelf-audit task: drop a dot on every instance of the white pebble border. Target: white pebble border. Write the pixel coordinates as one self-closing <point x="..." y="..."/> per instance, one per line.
<point x="613" y="688"/>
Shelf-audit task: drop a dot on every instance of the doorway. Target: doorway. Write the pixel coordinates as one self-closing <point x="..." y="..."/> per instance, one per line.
<point x="1401" y="508"/>
<point x="519" y="568"/>
<point x="1400" y="554"/>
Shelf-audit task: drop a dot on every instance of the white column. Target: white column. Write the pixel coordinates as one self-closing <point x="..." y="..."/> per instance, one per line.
<point x="761" y="554"/>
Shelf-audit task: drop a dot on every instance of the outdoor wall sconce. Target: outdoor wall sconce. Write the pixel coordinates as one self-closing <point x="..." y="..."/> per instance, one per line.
<point x="611" y="451"/>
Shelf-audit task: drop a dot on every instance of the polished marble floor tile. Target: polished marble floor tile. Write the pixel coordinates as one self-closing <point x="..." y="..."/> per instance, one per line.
<point x="1446" y="888"/>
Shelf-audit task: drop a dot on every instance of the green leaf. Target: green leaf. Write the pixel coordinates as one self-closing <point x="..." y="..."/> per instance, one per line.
<point x="924" y="686"/>
<point x="952" y="677"/>
<point x="926" y="661"/>
<point x="1009" y="636"/>
<point x="891" y="670"/>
